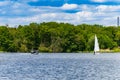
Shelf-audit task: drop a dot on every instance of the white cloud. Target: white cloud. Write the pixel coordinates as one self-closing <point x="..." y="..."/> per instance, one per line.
<point x="90" y="17"/>
<point x="90" y="14"/>
<point x="99" y="1"/>
<point x="105" y="8"/>
<point x="84" y="14"/>
<point x="76" y="18"/>
<point x="69" y="6"/>
<point x="4" y="3"/>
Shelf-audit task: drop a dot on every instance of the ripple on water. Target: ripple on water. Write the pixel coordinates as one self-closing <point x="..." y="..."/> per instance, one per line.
<point x="59" y="67"/>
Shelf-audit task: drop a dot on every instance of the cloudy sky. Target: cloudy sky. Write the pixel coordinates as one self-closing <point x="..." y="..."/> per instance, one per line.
<point x="103" y="12"/>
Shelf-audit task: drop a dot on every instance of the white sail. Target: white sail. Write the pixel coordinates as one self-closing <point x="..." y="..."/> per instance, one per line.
<point x="96" y="45"/>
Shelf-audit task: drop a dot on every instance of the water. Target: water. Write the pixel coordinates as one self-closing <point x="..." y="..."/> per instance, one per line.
<point x="59" y="66"/>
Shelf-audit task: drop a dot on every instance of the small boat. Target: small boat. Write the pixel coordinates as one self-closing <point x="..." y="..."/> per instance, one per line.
<point x="96" y="46"/>
<point x="34" y="52"/>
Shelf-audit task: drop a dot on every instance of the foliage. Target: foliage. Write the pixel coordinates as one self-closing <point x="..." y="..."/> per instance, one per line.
<point x="58" y="37"/>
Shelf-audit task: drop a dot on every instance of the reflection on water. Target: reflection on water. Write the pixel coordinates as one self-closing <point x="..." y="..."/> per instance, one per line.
<point x="59" y="67"/>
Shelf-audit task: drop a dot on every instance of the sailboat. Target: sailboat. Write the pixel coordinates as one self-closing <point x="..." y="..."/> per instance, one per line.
<point x="96" y="46"/>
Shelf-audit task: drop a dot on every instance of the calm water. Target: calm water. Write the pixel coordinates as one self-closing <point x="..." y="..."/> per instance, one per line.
<point x="59" y="67"/>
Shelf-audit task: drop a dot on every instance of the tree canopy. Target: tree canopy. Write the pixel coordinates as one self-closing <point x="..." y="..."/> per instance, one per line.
<point x="57" y="37"/>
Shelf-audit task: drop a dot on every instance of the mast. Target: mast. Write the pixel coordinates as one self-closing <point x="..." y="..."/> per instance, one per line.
<point x="117" y="21"/>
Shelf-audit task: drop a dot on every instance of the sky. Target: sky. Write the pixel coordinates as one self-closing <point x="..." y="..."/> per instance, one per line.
<point x="23" y="12"/>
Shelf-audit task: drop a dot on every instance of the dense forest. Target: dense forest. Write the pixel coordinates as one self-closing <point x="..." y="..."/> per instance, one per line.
<point x="58" y="37"/>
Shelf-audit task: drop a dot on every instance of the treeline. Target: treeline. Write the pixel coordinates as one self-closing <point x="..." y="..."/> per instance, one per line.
<point x="57" y="37"/>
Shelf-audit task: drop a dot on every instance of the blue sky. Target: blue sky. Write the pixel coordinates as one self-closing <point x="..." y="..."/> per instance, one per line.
<point x="22" y="12"/>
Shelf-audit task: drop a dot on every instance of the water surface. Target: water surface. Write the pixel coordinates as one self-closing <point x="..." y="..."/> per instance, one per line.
<point x="62" y="66"/>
